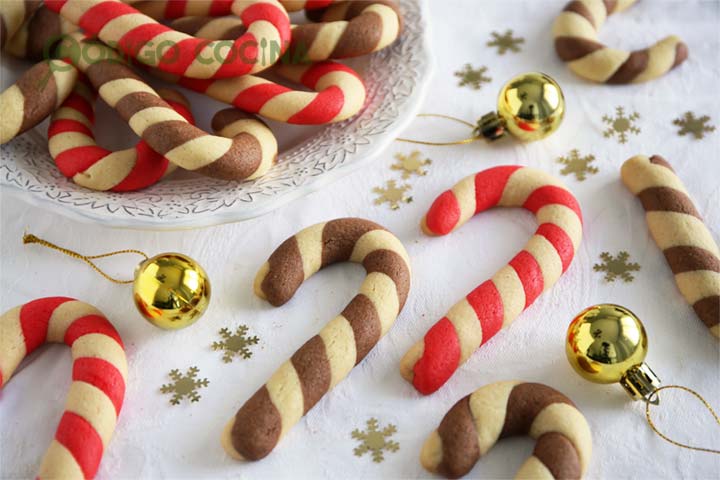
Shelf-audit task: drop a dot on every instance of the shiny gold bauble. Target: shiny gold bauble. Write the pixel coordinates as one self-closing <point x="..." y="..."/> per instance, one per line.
<point x="532" y="106"/>
<point x="607" y="343"/>
<point x="604" y="341"/>
<point x="171" y="290"/>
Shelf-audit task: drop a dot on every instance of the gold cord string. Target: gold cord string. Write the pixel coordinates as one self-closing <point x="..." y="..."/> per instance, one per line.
<point x="441" y="144"/>
<point x="663" y="436"/>
<point x="30" y="238"/>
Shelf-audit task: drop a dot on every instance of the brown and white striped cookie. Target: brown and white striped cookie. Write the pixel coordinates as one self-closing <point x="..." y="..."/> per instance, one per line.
<point x="505" y="409"/>
<point x="346" y="29"/>
<point x="36" y="94"/>
<point x="328" y="357"/>
<point x="681" y="234"/>
<point x="13" y="13"/>
<point x="37" y="37"/>
<point x="576" y="42"/>
<point x="166" y="131"/>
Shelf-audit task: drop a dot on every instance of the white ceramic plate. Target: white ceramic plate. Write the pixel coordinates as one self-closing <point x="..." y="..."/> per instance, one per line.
<point x="396" y="79"/>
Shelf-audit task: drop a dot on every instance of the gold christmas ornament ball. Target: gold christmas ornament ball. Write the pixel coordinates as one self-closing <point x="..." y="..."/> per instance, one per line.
<point x="171" y="290"/>
<point x="604" y="342"/>
<point x="532" y="106"/>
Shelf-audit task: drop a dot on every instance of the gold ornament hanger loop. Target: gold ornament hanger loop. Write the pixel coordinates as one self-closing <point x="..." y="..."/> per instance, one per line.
<point x="30" y="238"/>
<point x="442" y="144"/>
<point x="650" y="401"/>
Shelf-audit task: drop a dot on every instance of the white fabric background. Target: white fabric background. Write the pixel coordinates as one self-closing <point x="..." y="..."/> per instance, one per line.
<point x="154" y="439"/>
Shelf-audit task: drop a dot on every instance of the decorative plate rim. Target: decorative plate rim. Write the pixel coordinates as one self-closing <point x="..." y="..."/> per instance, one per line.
<point x="403" y="108"/>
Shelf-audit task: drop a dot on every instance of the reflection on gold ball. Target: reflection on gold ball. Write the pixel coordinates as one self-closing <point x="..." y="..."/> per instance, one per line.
<point x="171" y="290"/>
<point x="604" y="341"/>
<point x="532" y="106"/>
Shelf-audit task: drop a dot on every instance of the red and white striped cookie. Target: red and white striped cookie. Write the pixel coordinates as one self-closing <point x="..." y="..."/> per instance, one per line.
<point x="494" y="304"/>
<point x="167" y="132"/>
<point x="506" y="409"/>
<point x="13" y="14"/>
<point x="36" y="38"/>
<point x="72" y="145"/>
<point x="340" y="93"/>
<point x="36" y="94"/>
<point x="575" y="32"/>
<point x="149" y="42"/>
<point x="99" y="376"/>
<point x="328" y="357"/>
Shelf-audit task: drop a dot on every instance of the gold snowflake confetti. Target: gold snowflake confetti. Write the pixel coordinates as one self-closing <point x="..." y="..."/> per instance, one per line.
<point x="410" y="164"/>
<point x="235" y="344"/>
<point x="621" y="125"/>
<point x="472" y="77"/>
<point x="375" y="440"/>
<point x="698" y="127"/>
<point x="505" y="42"/>
<point x="577" y="165"/>
<point x="616" y="266"/>
<point x="392" y="194"/>
<point x="184" y="386"/>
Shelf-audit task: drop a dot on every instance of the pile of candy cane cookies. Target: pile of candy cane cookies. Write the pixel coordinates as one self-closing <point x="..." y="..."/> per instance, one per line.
<point x="216" y="47"/>
<point x="243" y="147"/>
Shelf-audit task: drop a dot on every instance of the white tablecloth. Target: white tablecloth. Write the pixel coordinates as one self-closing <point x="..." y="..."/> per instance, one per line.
<point x="154" y="439"/>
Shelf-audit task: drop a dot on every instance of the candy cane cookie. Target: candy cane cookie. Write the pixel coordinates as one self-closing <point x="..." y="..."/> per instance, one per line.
<point x="167" y="132"/>
<point x="575" y="33"/>
<point x="498" y="301"/>
<point x="681" y="234"/>
<point x="506" y="409"/>
<point x="328" y="357"/>
<point x="13" y="13"/>
<point x="36" y="38"/>
<point x="72" y="145"/>
<point x="339" y="93"/>
<point x="347" y="29"/>
<point x="149" y="42"/>
<point x="35" y="95"/>
<point x="99" y="376"/>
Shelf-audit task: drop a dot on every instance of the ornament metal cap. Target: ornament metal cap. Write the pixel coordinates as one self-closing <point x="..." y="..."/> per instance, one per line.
<point x="607" y="343"/>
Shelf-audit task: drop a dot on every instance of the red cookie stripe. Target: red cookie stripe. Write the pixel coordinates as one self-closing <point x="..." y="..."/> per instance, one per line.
<point x="90" y="324"/>
<point x="530" y="274"/>
<point x="488" y="306"/>
<point x="84" y="443"/>
<point x="560" y="240"/>
<point x="552" y="195"/>
<point x="102" y="375"/>
<point x="35" y="318"/>
<point x="440" y="359"/>
<point x="489" y="186"/>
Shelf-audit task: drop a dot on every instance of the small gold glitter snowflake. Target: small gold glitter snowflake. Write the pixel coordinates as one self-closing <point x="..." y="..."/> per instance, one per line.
<point x="505" y="42"/>
<point x="616" y="266"/>
<point x="233" y="344"/>
<point x="184" y="385"/>
<point x="472" y="77"/>
<point x="392" y="194"/>
<point x="621" y="125"/>
<point x="698" y="127"/>
<point x="410" y="164"/>
<point x="375" y="441"/>
<point x="575" y="164"/>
